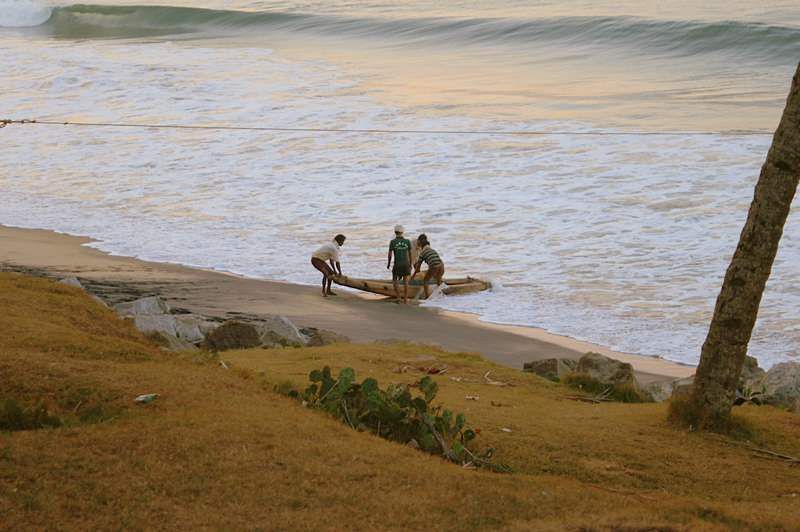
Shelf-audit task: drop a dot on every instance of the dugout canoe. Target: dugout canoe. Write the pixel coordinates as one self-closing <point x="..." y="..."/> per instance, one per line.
<point x="451" y="286"/>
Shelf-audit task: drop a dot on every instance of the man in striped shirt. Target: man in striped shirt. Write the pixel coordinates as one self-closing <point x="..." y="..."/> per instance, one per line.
<point x="435" y="263"/>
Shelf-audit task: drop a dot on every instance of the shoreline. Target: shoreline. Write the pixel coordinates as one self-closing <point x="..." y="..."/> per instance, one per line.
<point x="363" y="319"/>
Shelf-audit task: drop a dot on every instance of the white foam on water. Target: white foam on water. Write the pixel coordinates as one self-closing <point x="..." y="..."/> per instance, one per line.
<point x="23" y="13"/>
<point x="618" y="240"/>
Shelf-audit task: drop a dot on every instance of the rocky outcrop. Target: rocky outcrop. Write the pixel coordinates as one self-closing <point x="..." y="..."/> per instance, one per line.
<point x="146" y="306"/>
<point x="554" y="369"/>
<point x="233" y="335"/>
<point x="662" y="391"/>
<point x="781" y="386"/>
<point x="319" y="337"/>
<point x="180" y="330"/>
<point x="277" y="331"/>
<point x="187" y="327"/>
<point x="152" y="323"/>
<point x="605" y="370"/>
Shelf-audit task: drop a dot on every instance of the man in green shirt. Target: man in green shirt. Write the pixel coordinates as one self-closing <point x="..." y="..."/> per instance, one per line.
<point x="400" y="247"/>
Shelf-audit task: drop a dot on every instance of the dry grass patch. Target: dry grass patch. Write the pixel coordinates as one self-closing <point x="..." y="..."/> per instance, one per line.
<point x="627" y="449"/>
<point x="219" y="449"/>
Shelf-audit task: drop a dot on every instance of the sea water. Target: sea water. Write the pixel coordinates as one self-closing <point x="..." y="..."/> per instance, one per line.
<point x="619" y="238"/>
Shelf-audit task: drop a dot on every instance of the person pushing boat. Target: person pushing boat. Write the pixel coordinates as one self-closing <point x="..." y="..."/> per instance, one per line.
<point x="328" y="252"/>
<point x="435" y="263"/>
<point x="400" y="247"/>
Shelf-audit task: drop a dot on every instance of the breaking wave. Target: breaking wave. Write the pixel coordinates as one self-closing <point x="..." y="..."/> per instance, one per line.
<point x="753" y="40"/>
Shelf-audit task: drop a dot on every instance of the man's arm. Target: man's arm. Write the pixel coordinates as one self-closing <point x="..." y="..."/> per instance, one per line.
<point x="416" y="268"/>
<point x="389" y="258"/>
<point x="333" y="266"/>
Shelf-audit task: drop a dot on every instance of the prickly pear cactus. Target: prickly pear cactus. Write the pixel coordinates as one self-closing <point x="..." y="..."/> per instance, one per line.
<point x="396" y="414"/>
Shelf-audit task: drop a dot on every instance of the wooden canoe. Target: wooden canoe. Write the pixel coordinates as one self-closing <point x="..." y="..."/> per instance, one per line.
<point x="453" y="286"/>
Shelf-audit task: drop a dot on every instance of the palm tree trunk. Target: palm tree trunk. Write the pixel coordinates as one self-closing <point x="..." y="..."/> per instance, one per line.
<point x="737" y="305"/>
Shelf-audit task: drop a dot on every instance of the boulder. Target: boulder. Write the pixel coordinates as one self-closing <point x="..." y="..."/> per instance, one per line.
<point x="751" y="373"/>
<point x="146" y="306"/>
<point x="207" y="326"/>
<point x="318" y="337"/>
<point x="661" y="391"/>
<point x="279" y="330"/>
<point x="553" y="369"/>
<point x="233" y="335"/>
<point x="156" y="323"/>
<point x="606" y="370"/>
<point x="188" y="328"/>
<point x="781" y="385"/>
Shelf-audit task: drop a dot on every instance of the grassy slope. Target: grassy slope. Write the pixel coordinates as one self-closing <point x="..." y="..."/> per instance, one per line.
<point x="219" y="449"/>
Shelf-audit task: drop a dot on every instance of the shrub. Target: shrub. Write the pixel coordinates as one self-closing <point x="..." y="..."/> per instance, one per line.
<point x="14" y="417"/>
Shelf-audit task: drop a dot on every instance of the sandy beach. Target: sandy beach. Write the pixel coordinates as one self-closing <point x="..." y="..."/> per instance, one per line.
<point x="361" y="319"/>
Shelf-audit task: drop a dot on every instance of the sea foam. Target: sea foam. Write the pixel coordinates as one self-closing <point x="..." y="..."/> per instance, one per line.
<point x="23" y="13"/>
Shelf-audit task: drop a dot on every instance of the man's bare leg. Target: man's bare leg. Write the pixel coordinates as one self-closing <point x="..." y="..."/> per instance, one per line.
<point x="425" y="283"/>
<point x="396" y="288"/>
<point x="330" y="292"/>
<point x="405" y="290"/>
<point x="324" y="280"/>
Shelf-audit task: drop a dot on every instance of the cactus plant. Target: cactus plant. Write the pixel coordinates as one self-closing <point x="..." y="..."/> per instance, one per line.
<point x="396" y="414"/>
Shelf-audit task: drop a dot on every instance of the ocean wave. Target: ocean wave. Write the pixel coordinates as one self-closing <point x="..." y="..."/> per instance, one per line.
<point x="755" y="40"/>
<point x="23" y="13"/>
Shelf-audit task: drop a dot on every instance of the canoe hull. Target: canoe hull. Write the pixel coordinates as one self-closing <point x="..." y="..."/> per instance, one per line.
<point x="453" y="286"/>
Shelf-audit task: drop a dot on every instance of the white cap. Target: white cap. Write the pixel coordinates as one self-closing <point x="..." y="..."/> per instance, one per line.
<point x="399" y="229"/>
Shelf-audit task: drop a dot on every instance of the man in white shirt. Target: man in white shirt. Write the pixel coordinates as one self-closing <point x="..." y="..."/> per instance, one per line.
<point x="328" y="252"/>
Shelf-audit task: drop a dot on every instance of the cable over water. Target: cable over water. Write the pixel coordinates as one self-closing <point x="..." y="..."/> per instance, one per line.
<point x="379" y="131"/>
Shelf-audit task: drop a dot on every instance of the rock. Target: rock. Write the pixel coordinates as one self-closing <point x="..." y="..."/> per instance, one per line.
<point x="661" y="391"/>
<point x="170" y="342"/>
<point x="187" y="328"/>
<point x="146" y="398"/>
<point x="605" y="370"/>
<point x="146" y="306"/>
<point x="279" y="330"/>
<point x="553" y="369"/>
<point x="319" y="337"/>
<point x="233" y="335"/>
<point x="207" y="326"/>
<point x="72" y="281"/>
<point x="781" y="385"/>
<point x="157" y="323"/>
<point x="751" y="373"/>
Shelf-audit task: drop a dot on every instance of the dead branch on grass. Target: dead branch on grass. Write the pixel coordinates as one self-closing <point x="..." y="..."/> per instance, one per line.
<point x="494" y="382"/>
<point x="596" y="399"/>
<point x="765" y="453"/>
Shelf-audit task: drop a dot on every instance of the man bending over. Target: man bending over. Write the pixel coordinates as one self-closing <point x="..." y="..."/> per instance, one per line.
<point x="328" y="252"/>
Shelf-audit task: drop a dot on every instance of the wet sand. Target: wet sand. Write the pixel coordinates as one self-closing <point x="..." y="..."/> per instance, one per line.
<point x="361" y="319"/>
